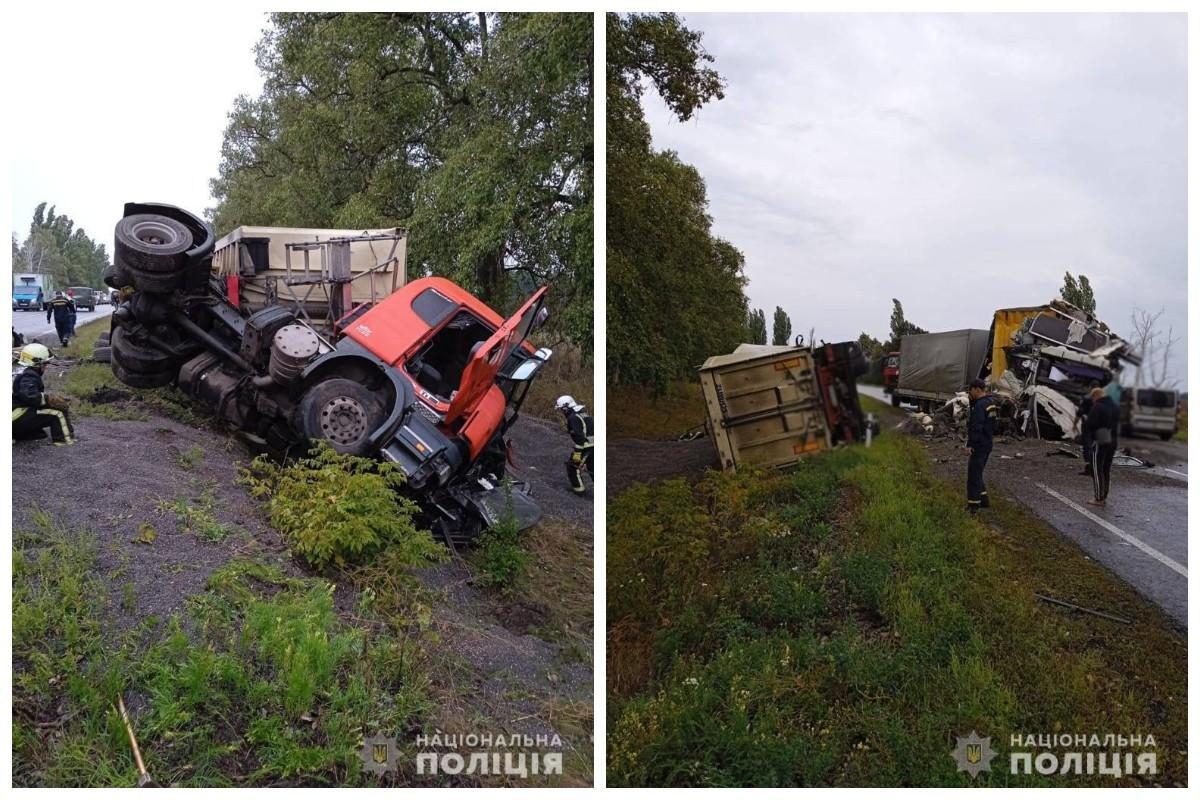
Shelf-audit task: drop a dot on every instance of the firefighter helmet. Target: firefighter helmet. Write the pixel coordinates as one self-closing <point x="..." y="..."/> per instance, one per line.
<point x="567" y="402"/>
<point x="34" y="355"/>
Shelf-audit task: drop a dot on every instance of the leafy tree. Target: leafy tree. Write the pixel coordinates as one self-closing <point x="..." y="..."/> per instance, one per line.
<point x="782" y="329"/>
<point x="1078" y="292"/>
<point x="474" y="131"/>
<point x="900" y="326"/>
<point x="756" y="326"/>
<point x="55" y="247"/>
<point x="675" y="292"/>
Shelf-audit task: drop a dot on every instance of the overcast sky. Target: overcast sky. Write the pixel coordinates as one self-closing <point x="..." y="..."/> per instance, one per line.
<point x="117" y="104"/>
<point x="958" y="163"/>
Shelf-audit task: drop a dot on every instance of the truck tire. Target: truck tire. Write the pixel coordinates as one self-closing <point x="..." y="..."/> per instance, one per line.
<point x="151" y="243"/>
<point x="143" y="380"/>
<point x="137" y="358"/>
<point x="116" y="277"/>
<point x="343" y="413"/>
<point x="895" y="400"/>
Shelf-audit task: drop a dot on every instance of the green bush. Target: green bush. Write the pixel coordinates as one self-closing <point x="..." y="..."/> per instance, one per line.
<point x="337" y="508"/>
<point x="501" y="559"/>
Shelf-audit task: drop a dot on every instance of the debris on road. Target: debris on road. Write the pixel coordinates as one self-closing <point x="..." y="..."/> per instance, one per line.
<point x="1093" y="612"/>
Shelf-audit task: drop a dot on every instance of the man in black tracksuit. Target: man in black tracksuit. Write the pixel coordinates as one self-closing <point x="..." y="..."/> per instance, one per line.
<point x="582" y="432"/>
<point x="63" y="311"/>
<point x="980" y="428"/>
<point x="1103" y="422"/>
<point x="33" y="410"/>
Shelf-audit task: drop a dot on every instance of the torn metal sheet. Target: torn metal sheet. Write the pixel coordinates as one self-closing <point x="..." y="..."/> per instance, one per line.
<point x="1060" y="410"/>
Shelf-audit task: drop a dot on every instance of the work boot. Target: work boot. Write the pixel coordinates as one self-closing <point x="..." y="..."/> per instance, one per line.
<point x="972" y="509"/>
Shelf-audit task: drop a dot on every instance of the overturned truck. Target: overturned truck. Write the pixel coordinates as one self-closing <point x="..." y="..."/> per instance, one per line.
<point x="331" y="344"/>
<point x="768" y="406"/>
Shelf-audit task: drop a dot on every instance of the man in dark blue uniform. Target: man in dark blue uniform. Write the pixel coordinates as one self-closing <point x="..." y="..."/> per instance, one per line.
<point x="980" y="428"/>
<point x="583" y="436"/>
<point x="63" y="311"/>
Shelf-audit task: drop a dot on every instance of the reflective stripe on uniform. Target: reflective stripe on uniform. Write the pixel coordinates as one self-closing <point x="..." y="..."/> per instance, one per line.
<point x="62" y="419"/>
<point x="19" y="412"/>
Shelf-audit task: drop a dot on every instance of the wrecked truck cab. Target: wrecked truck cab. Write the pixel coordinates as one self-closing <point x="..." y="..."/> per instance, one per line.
<point x="426" y="376"/>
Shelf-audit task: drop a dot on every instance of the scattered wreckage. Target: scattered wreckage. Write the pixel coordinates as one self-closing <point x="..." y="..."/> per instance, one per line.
<point x="295" y="335"/>
<point x="770" y="405"/>
<point x="1039" y="361"/>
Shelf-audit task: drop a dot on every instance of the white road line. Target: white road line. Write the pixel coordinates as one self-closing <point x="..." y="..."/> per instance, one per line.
<point x="1108" y="526"/>
<point x="1175" y="472"/>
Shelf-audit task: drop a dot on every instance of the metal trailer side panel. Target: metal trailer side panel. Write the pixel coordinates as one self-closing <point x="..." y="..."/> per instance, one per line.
<point x="764" y="410"/>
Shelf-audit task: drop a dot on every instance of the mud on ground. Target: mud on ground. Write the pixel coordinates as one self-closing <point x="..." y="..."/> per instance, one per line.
<point x="123" y="481"/>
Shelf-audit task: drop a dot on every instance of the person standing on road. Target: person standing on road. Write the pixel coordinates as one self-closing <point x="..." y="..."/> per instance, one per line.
<point x="1103" y="421"/>
<point x="74" y="310"/>
<point x="1085" y="436"/>
<point x="63" y="311"/>
<point x="33" y="409"/>
<point x="980" y="429"/>
<point x="583" y="436"/>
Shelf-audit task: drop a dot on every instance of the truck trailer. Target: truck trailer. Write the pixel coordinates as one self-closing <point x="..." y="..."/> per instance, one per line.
<point x="935" y="367"/>
<point x="768" y="406"/>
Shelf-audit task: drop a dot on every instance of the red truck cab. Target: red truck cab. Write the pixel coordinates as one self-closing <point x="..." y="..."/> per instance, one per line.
<point x="891" y="376"/>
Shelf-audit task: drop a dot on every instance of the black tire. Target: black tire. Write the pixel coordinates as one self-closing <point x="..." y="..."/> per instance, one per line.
<point x="144" y="380"/>
<point x="103" y="354"/>
<point x="151" y="243"/>
<point x="341" y="412"/>
<point x="895" y="400"/>
<point x="104" y="339"/>
<point x="116" y="277"/>
<point x="138" y="358"/>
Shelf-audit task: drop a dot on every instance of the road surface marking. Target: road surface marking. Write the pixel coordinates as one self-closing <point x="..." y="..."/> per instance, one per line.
<point x="1175" y="472"/>
<point x="1108" y="526"/>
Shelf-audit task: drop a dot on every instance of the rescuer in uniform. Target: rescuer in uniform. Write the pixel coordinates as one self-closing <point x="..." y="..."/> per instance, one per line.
<point x="984" y="410"/>
<point x="33" y="409"/>
<point x="62" y="309"/>
<point x="579" y="426"/>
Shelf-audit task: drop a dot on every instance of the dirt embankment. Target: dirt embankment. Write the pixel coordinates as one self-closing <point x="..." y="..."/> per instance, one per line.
<point x="161" y="500"/>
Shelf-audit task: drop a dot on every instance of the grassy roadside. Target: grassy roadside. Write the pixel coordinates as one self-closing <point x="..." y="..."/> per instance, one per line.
<point x="640" y="414"/>
<point x="842" y="623"/>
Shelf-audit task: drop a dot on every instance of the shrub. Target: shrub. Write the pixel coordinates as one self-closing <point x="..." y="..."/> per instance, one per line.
<point x="337" y="508"/>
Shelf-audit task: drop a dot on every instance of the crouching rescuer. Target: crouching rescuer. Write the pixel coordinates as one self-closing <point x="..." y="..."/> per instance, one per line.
<point x="984" y="410"/>
<point x="583" y="436"/>
<point x="33" y="409"/>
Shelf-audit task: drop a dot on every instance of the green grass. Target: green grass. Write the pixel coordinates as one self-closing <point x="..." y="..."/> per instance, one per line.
<point x="641" y="414"/>
<point x="259" y="682"/>
<point x="197" y="516"/>
<point x="841" y="623"/>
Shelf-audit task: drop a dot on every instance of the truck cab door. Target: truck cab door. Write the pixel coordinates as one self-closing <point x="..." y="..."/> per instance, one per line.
<point x="490" y="355"/>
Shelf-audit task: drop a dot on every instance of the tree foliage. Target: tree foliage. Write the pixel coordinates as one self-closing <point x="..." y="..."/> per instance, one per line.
<point x="474" y="131"/>
<point x="781" y="332"/>
<point x="756" y="326"/>
<point x="1078" y="292"/>
<point x="900" y="326"/>
<point x="675" y="292"/>
<point x="54" y="246"/>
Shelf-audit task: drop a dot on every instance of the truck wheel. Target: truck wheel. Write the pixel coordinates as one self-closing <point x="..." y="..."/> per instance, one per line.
<point x="151" y="243"/>
<point x="895" y="400"/>
<point x="136" y="358"/>
<point x="343" y="413"/>
<point x="143" y="380"/>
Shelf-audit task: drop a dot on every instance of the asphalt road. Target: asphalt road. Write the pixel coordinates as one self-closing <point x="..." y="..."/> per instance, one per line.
<point x="1141" y="536"/>
<point x="33" y="325"/>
